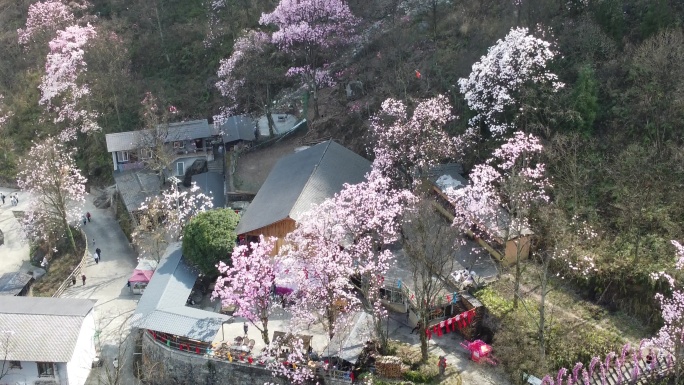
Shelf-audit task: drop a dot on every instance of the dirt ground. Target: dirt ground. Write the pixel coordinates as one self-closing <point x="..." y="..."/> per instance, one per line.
<point x="253" y="167"/>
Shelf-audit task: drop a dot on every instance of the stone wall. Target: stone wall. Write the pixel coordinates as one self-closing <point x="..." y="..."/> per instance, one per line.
<point x="163" y="365"/>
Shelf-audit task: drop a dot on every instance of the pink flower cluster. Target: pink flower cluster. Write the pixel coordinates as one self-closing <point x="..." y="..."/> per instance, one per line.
<point x="406" y="148"/>
<point x="45" y="17"/>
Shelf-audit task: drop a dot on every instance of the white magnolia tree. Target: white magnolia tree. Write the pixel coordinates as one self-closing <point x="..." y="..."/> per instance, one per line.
<point x="493" y="89"/>
<point x="57" y="190"/>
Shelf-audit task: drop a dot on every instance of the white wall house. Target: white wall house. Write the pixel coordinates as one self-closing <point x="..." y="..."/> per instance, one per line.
<point x="184" y="140"/>
<point x="46" y="341"/>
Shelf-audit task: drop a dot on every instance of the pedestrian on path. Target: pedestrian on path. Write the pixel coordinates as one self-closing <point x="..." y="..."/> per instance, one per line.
<point x="73" y="280"/>
<point x="96" y="258"/>
<point x="99" y="253"/>
<point x="2" y="196"/>
<point x="245" y="327"/>
<point x="83" y="218"/>
<point x="442" y="365"/>
<point x="88" y="216"/>
<point x="418" y="327"/>
<point x="83" y="278"/>
<point x="93" y="242"/>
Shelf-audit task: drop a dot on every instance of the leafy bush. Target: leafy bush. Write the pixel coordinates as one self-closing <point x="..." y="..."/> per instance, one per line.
<point x="209" y="238"/>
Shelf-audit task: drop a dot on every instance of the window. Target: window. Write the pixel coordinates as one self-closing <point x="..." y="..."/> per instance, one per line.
<point x="15" y="364"/>
<point x="179" y="144"/>
<point x="124" y="156"/>
<point x="145" y="154"/>
<point x="180" y="168"/>
<point x="46" y="369"/>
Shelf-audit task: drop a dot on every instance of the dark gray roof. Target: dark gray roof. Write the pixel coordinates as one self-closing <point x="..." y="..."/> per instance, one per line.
<point x="13" y="283"/>
<point x="211" y="183"/>
<point x="136" y="186"/>
<point x="162" y="306"/>
<point x="239" y="127"/>
<point x="301" y="180"/>
<point x="130" y="140"/>
<point x="32" y="321"/>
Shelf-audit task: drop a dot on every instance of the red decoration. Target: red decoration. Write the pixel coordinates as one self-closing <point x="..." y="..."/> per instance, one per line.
<point x="417" y="74"/>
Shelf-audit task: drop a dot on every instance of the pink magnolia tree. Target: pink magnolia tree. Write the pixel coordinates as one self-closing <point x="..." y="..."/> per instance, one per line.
<point x="161" y="218"/>
<point x="44" y="19"/>
<point x="293" y="365"/>
<point x="501" y="194"/>
<point x="315" y="265"/>
<point x="61" y="91"/>
<point x="56" y="189"/>
<point x="670" y="337"/>
<point x="249" y="283"/>
<point x="369" y="216"/>
<point x="494" y="88"/>
<point x="307" y="30"/>
<point x="406" y="148"/>
<point x="250" y="78"/>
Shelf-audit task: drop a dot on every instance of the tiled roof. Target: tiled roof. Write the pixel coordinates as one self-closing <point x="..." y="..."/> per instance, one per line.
<point x="211" y="183"/>
<point x="131" y="140"/>
<point x="31" y="322"/>
<point x="13" y="283"/>
<point x="162" y="306"/>
<point x="239" y="127"/>
<point x="301" y="180"/>
<point x="136" y="186"/>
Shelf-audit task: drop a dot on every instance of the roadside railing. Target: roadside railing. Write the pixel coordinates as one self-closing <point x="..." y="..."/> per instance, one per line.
<point x="77" y="269"/>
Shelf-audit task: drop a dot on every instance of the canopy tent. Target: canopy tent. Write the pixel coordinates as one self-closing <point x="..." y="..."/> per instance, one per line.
<point x="141" y="275"/>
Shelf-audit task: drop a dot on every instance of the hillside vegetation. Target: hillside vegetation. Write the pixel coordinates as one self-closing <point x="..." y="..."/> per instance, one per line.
<point x="613" y="134"/>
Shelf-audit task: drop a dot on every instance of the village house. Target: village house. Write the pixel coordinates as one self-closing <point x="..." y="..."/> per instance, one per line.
<point x="35" y="352"/>
<point x="504" y="243"/>
<point x="296" y="183"/>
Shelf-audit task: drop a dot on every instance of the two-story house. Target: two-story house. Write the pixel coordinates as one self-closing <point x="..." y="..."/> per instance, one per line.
<point x="46" y="341"/>
<point x="182" y="142"/>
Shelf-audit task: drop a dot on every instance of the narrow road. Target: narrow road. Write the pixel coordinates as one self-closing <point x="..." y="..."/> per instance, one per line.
<point x="106" y="282"/>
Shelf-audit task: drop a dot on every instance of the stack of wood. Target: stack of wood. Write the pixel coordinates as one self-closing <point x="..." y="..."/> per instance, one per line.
<point x="388" y="366"/>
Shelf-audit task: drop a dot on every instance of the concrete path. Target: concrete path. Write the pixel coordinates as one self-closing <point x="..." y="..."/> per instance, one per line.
<point x="106" y="282"/>
<point x="449" y="345"/>
<point x="14" y="254"/>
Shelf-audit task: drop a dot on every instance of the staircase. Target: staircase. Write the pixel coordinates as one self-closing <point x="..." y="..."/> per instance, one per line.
<point x="216" y="165"/>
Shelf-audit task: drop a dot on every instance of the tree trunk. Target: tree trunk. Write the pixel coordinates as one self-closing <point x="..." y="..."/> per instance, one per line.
<point x="70" y="236"/>
<point x="264" y="332"/>
<point x="271" y="123"/>
<point x="423" y="343"/>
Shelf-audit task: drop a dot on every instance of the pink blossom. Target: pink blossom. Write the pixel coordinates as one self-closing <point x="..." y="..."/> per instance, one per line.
<point x="45" y="17"/>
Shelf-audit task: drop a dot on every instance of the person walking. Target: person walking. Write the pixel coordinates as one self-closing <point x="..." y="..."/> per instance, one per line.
<point x="93" y="242"/>
<point x="88" y="216"/>
<point x="83" y="218"/>
<point x="83" y="278"/>
<point x="99" y="253"/>
<point x="96" y="258"/>
<point x="73" y="280"/>
<point x="442" y="365"/>
<point x="418" y="327"/>
<point x="244" y="326"/>
<point x="2" y="196"/>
